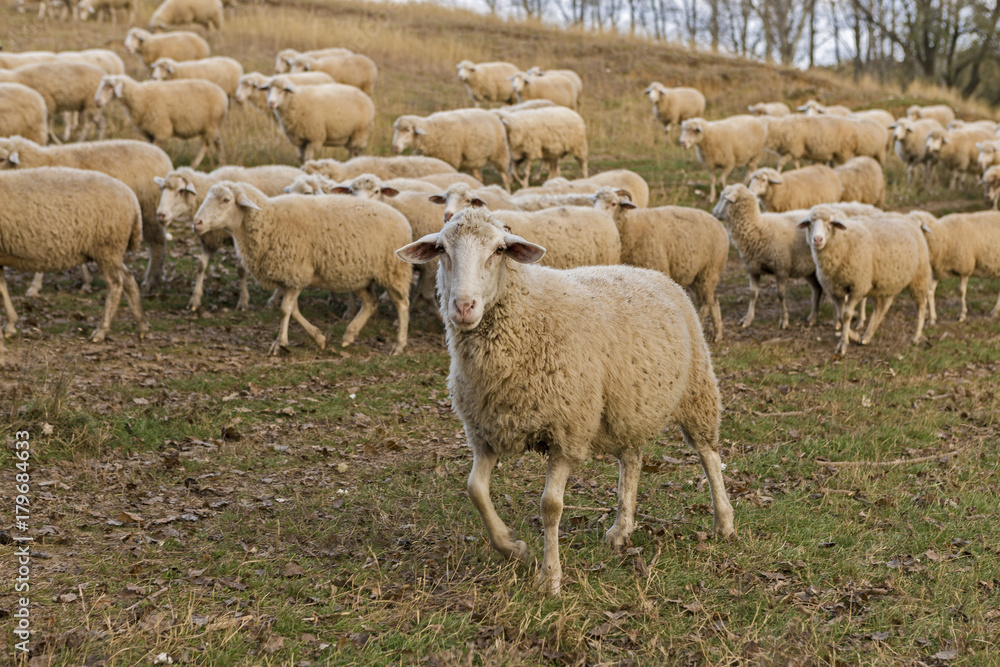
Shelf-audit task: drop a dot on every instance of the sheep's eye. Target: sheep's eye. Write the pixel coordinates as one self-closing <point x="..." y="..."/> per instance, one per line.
<point x="499" y="251"/>
<point x="226" y="200"/>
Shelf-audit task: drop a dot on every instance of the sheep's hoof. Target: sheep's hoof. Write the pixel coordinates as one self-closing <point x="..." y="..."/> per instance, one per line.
<point x="98" y="336"/>
<point x="277" y="347"/>
<point x="9" y="331"/>
<point x="397" y="350"/>
<point x="746" y="322"/>
<point x="31" y="293"/>
<point x="549" y="583"/>
<point x="321" y="341"/>
<point x="783" y="325"/>
<point x="961" y="318"/>
<point x="519" y="551"/>
<point x="616" y="539"/>
<point x="243" y="304"/>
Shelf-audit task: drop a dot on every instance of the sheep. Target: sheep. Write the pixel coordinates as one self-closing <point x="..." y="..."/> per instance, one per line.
<point x="559" y="89"/>
<point x="867" y="137"/>
<point x="536" y="202"/>
<point x="988" y="154"/>
<point x="488" y="82"/>
<point x="444" y="180"/>
<point x="165" y="109"/>
<point x="862" y="181"/>
<point x="814" y="108"/>
<point x="880" y="116"/>
<point x="134" y="163"/>
<point x="16" y="60"/>
<point x="620" y="179"/>
<point x="23" y="113"/>
<point x="55" y="218"/>
<point x="674" y="105"/>
<point x="687" y="244"/>
<point x="223" y="72"/>
<point x="768" y="243"/>
<point x="207" y="13"/>
<point x="974" y="124"/>
<point x="942" y="113"/>
<point x="909" y="139"/>
<point x="956" y="151"/>
<point x="253" y="86"/>
<point x="334" y="243"/>
<point x="772" y="109"/>
<point x="525" y="106"/>
<point x="963" y="245"/>
<point x="567" y="74"/>
<point x="796" y="189"/>
<point x="538" y="362"/>
<point x="350" y="69"/>
<point x="329" y="114"/>
<point x="991" y="179"/>
<point x="182" y="192"/>
<point x="545" y="134"/>
<point x="459" y="195"/>
<point x="464" y="138"/>
<point x="65" y="87"/>
<point x="283" y="61"/>
<point x="402" y="166"/>
<point x="574" y="235"/>
<point x="725" y="144"/>
<point x="88" y="8"/>
<point x="179" y="45"/>
<point x="107" y="60"/>
<point x="863" y="256"/>
<point x="816" y="138"/>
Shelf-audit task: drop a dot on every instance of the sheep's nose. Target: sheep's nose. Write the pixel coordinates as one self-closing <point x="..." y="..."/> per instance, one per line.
<point x="464" y="307"/>
<point x="447" y="216"/>
<point x="161" y="217"/>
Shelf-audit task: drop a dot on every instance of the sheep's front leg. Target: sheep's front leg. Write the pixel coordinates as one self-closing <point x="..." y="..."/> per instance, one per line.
<point x="483" y="461"/>
<point x="629" y="465"/>
<point x="550" y="573"/>
<point x="932" y="301"/>
<point x="131" y="289"/>
<point x="782" y="287"/>
<point x="996" y="308"/>
<point x="202" y="151"/>
<point x="368" y="305"/>
<point x="963" y="287"/>
<point x="882" y="306"/>
<point x="244" y="301"/>
<point x="36" y="286"/>
<point x="9" y="329"/>
<point x="311" y="329"/>
<point x="711" y="191"/>
<point x="751" y="307"/>
<point x="817" y="294"/>
<point x="88" y="279"/>
<point x="846" y="334"/>
<point x="199" y="280"/>
<point x="288" y="304"/>
<point x="113" y="277"/>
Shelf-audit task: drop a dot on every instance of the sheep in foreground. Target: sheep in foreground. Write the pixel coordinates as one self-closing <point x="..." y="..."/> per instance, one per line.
<point x="942" y="113"/>
<point x="488" y="82"/>
<point x="862" y="181"/>
<point x="253" y="86"/>
<point x="725" y="144"/>
<point x="283" y="61"/>
<point x="862" y="256"/>
<point x="687" y="244"/>
<point x="768" y="243"/>
<point x="672" y="106"/>
<point x="207" y="13"/>
<point x="223" y="72"/>
<point x="464" y="138"/>
<point x="559" y="90"/>
<point x="963" y="245"/>
<point x="988" y="154"/>
<point x="162" y="110"/>
<point x="179" y="45"/>
<point x="459" y="195"/>
<point x="955" y="151"/>
<point x="53" y="218"/>
<point x="98" y="8"/>
<point x="773" y="109"/>
<point x="352" y="69"/>
<point x="620" y="179"/>
<point x="65" y="87"/>
<point x="991" y="179"/>
<point x="400" y="166"/>
<point x="134" y="163"/>
<point x="330" y="114"/>
<point x="341" y="244"/>
<point x="909" y="141"/>
<point x="23" y="113"/>
<point x="182" y="192"/>
<point x="545" y="134"/>
<point x="596" y="392"/>
<point x="796" y="189"/>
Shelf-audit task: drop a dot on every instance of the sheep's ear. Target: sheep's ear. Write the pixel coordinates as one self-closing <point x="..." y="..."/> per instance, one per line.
<point x="419" y="130"/>
<point x="422" y="250"/>
<point x="622" y="192"/>
<point x="838" y="224"/>
<point x="14" y="158"/>
<point x="945" y="140"/>
<point x="340" y="190"/>
<point x="190" y="188"/>
<point x="245" y="202"/>
<point x="389" y="192"/>
<point x="728" y="195"/>
<point x="522" y="251"/>
<point x="775" y="179"/>
<point x="477" y="203"/>
<point x="925" y="229"/>
<point x="159" y="181"/>
<point x="119" y="86"/>
<point x="804" y="224"/>
<point x="626" y="204"/>
<point x="287" y="189"/>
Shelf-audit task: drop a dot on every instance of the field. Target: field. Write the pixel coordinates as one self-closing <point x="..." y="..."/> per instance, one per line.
<point x="194" y="501"/>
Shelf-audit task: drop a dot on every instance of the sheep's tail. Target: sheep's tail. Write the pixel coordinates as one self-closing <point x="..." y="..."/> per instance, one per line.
<point x="135" y="239"/>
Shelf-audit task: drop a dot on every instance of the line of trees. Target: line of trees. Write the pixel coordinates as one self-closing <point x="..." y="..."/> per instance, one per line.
<point x="949" y="42"/>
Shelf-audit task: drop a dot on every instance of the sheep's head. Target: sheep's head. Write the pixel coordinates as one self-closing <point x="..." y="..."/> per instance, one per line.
<point x="465" y="70"/>
<point x="612" y="202"/>
<point x="405" y="131"/>
<point x="475" y="250"/>
<point x="178" y="197"/>
<point x="282" y="62"/>
<point x="248" y="84"/>
<point x="9" y="151"/>
<point x="812" y="108"/>
<point x="913" y="113"/>
<point x="987" y="154"/>
<point x="731" y="195"/>
<point x="301" y="64"/>
<point x="279" y="92"/>
<point x="134" y="39"/>
<point x="935" y="141"/>
<point x="328" y="168"/>
<point x="224" y="207"/>
<point x="901" y="128"/>
<point x="757" y="109"/>
<point x="457" y="197"/>
<point x="820" y="226"/>
<point x="369" y="186"/>
<point x="991" y="179"/>
<point x="762" y="179"/>
<point x="310" y="184"/>
<point x="112" y="85"/>
<point x="692" y="132"/>
<point x="655" y="91"/>
<point x="164" y="69"/>
<point x="85" y="10"/>
<point x="535" y="71"/>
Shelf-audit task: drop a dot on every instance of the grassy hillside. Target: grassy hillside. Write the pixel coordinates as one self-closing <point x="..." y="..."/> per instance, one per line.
<point x="196" y="502"/>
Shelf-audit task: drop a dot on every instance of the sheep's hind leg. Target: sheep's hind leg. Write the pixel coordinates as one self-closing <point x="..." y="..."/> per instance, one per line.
<point x="312" y="330"/>
<point x="996" y="308"/>
<point x="701" y="433"/>
<point x="288" y="303"/>
<point x="202" y="151"/>
<point x="817" y="294"/>
<point x="113" y="277"/>
<point x="550" y="573"/>
<point x="199" y="280"/>
<point x="36" y="286"/>
<point x="882" y="306"/>
<point x="963" y="287"/>
<point x="782" y="286"/>
<point x="483" y="462"/>
<point x="368" y="305"/>
<point x="9" y="329"/>
<point x="751" y="307"/>
<point x="244" y="302"/>
<point x="932" y="301"/>
<point x="402" y="303"/>
<point x="134" y="302"/>
<point x="629" y="465"/>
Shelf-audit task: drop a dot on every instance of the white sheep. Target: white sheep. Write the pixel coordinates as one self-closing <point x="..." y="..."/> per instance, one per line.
<point x="253" y="86"/>
<point x="351" y="69"/>
<point x="135" y="163"/>
<point x="956" y="151"/>
<point x="333" y="243"/>
<point x="538" y="201"/>
<point x="672" y="106"/>
<point x="619" y="179"/>
<point x="207" y="13"/>
<point x="54" y="218"/>
<point x="538" y="361"/>
<point x="991" y="179"/>
<point x="862" y="180"/>
<point x="862" y="256"/>
<point x="559" y="90"/>
<point x="98" y="8"/>
<point x="459" y="195"/>
<point x="13" y="60"/>
<point x="488" y="82"/>
<point x="772" y="109"/>
<point x="179" y="45"/>
<point x="66" y="87"/>
<point x="330" y="114"/>
<point x="988" y="154"/>
<point x="963" y="245"/>
<point x="880" y="116"/>
<point x="687" y="244"/>
<point x="464" y="138"/>
<point x="106" y="59"/>
<point x="182" y="192"/>
<point x="573" y="235"/>
<point x="162" y="110"/>
<point x="817" y="138"/>
<point x="568" y="74"/>
<point x="909" y="140"/>
<point x="283" y="61"/>
<point x="814" y="108"/>
<point x="797" y="189"/>
<point x="220" y="70"/>
<point x="942" y="113"/>
<point x="546" y="134"/>
<point x="725" y="144"/>
<point x="399" y="166"/>
<point x="23" y="113"/>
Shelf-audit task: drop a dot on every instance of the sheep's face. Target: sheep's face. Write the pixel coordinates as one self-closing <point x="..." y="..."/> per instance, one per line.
<point x="405" y="132"/>
<point x="283" y="60"/>
<point x="655" y="92"/>
<point x="934" y="143"/>
<point x="366" y="186"/>
<point x="730" y="195"/>
<point x="820" y="226"/>
<point x="111" y="86"/>
<point x="278" y="94"/>
<point x="902" y="128"/>
<point x="457" y="197"/>
<point x="757" y="109"/>
<point x="133" y="40"/>
<point x="812" y="108"/>
<point x="762" y="180"/>
<point x="992" y="181"/>
<point x="913" y="113"/>
<point x="297" y="65"/>
<point x="9" y="158"/>
<point x="612" y="202"/>
<point x="518" y="82"/>
<point x="85" y="10"/>
<point x="473" y="248"/>
<point x="987" y="155"/>
<point x="178" y="199"/>
<point x="465" y="70"/>
<point x="692" y="132"/>
<point x="162" y="70"/>
<point x="224" y="208"/>
<point x="245" y="88"/>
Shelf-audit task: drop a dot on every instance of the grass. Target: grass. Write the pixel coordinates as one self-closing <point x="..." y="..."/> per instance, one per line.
<point x="194" y="498"/>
